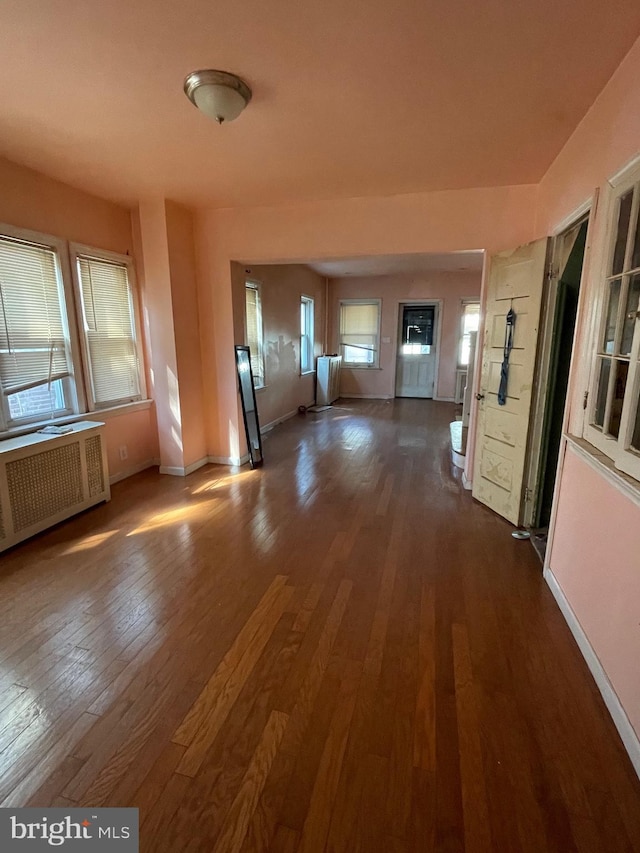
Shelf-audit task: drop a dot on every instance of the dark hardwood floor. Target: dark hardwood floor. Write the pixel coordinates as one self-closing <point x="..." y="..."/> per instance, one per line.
<point x="340" y="651"/>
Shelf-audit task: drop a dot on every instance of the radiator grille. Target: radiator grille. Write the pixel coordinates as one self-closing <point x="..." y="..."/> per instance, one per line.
<point x="461" y="381"/>
<point x="42" y="485"/>
<point x="95" y="472"/>
<point x="327" y="379"/>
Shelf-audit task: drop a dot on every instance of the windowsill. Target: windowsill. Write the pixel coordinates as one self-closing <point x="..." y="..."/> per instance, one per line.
<point x="307" y="372"/>
<point x="9" y="444"/>
<point x="259" y="388"/>
<point x="99" y="415"/>
<point x="359" y="367"/>
<point x="604" y="466"/>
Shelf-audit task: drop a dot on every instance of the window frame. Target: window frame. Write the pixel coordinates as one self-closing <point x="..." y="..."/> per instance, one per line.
<point x="307" y="334"/>
<point x="351" y="365"/>
<point x="259" y="378"/>
<point x="73" y="389"/>
<point x="617" y="449"/>
<point x="463" y="305"/>
<point x="77" y="389"/>
<point x="78" y="251"/>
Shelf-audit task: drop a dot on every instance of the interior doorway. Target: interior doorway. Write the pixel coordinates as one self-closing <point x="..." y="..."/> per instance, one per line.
<point x="416" y="364"/>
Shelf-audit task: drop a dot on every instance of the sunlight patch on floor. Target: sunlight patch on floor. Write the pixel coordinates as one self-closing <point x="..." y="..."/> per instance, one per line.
<point x="88" y="542"/>
<point x="180" y="515"/>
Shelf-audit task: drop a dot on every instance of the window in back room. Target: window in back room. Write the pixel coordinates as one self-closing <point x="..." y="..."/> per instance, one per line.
<point x="359" y="324"/>
<point x="253" y="331"/>
<point x="306" y="334"/>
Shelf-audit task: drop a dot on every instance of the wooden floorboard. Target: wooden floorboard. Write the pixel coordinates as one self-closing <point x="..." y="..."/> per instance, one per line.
<point x="340" y="652"/>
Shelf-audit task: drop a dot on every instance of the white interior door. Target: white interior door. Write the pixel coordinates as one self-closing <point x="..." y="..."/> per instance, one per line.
<point x="516" y="280"/>
<point x="416" y="362"/>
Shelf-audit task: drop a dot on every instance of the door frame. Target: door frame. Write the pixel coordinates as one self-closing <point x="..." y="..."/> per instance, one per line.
<point x="532" y="477"/>
<point x="436" y="304"/>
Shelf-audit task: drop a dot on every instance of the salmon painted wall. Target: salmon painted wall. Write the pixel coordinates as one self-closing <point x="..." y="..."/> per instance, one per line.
<point x="423" y="222"/>
<point x="31" y="200"/>
<point x="158" y="308"/>
<point x="186" y="326"/>
<point x="449" y="287"/>
<point x="598" y="569"/>
<point x="606" y="139"/>
<point x="282" y="286"/>
<point x="594" y="553"/>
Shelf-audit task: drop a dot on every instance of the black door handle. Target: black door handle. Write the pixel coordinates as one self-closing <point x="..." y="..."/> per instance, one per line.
<point x="479" y="396"/>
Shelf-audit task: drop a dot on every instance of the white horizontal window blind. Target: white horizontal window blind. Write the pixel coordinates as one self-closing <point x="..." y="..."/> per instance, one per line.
<point x="470" y="323"/>
<point x="359" y="331"/>
<point x="306" y="334"/>
<point x="253" y="337"/>
<point x="109" y="330"/>
<point x="33" y="333"/>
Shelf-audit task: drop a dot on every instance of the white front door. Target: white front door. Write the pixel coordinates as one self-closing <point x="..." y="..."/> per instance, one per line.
<point x="416" y="363"/>
<point x="516" y="281"/>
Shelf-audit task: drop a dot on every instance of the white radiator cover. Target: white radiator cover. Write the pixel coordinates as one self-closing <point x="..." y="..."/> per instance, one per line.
<point x="461" y="381"/>
<point x="47" y="478"/>
<point x="328" y="379"/>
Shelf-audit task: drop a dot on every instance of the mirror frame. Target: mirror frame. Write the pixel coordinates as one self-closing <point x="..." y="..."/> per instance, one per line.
<point x="247" y="392"/>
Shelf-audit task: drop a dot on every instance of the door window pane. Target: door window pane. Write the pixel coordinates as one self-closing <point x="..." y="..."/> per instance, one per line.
<point x="612" y="317"/>
<point x="630" y="315"/>
<point x="620" y="383"/>
<point x="603" y="386"/>
<point x="635" y="257"/>
<point x="624" y="215"/>
<point x="635" y="438"/>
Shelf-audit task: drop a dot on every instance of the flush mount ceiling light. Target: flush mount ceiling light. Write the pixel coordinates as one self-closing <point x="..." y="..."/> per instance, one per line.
<point x="218" y="94"/>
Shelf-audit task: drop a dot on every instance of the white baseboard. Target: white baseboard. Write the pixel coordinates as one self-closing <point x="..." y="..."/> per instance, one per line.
<point x="618" y="714"/>
<point x="195" y="465"/>
<point x="366" y="396"/>
<point x="228" y="460"/>
<point x="281" y="420"/>
<point x="173" y="470"/>
<point x="445" y="399"/>
<point x="177" y="471"/>
<point x="129" y="472"/>
<point x="466" y="482"/>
